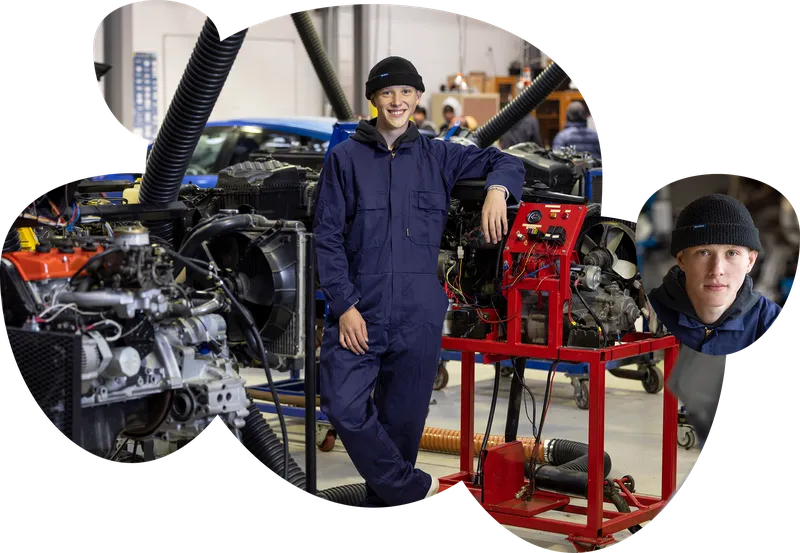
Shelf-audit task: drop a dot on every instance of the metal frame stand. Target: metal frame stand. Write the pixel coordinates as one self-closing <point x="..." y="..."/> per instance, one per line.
<point x="503" y="465"/>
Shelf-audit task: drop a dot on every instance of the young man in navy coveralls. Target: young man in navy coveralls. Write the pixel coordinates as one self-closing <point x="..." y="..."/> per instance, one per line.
<point x="382" y="206"/>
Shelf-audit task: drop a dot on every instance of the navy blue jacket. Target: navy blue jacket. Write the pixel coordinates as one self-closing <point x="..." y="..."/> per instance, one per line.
<point x="579" y="136"/>
<point x="380" y="216"/>
<point x="744" y="322"/>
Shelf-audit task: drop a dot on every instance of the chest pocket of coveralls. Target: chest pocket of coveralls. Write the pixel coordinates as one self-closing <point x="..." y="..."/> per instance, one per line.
<point x="368" y="228"/>
<point x="427" y="217"/>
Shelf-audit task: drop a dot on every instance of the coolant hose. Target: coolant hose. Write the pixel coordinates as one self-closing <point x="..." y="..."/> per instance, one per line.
<point x="13" y="243"/>
<point x="536" y="93"/>
<point x="197" y="93"/>
<point x="322" y="65"/>
<point x="260" y="440"/>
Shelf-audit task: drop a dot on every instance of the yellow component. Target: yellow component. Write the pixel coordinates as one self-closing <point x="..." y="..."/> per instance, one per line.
<point x="28" y="238"/>
<point x="132" y="194"/>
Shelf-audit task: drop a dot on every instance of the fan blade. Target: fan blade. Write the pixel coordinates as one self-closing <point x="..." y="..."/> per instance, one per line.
<point x="587" y="245"/>
<point x="259" y="291"/>
<point x="614" y="237"/>
<point x="623" y="268"/>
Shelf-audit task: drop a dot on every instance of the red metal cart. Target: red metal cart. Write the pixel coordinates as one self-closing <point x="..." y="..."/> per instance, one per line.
<point x="503" y="465"/>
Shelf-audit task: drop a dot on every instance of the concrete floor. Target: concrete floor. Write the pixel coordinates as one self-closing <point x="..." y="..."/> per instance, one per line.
<point x="632" y="439"/>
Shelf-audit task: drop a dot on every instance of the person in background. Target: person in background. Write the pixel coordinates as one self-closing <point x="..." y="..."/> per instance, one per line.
<point x="576" y="133"/>
<point x="451" y="111"/>
<point x="421" y="120"/>
<point x="526" y="130"/>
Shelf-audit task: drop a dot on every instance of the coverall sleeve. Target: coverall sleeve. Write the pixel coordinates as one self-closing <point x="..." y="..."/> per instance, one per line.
<point x="329" y="225"/>
<point x="470" y="162"/>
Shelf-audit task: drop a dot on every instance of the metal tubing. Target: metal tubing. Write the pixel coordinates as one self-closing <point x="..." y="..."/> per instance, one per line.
<point x="467" y="411"/>
<point x="597" y="411"/>
<point x="310" y="368"/>
<point x="669" y="448"/>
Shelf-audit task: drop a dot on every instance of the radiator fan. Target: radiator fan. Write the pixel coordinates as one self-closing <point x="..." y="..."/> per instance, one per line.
<point x="262" y="272"/>
<point x="609" y="245"/>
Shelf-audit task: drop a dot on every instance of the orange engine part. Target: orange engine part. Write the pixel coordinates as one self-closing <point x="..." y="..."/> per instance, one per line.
<point x="34" y="266"/>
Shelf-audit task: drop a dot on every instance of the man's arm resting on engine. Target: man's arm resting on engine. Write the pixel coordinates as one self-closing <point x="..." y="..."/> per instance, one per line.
<point x="329" y="223"/>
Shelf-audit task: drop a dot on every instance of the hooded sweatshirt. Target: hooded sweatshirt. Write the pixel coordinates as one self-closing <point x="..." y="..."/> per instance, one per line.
<point x="744" y="322"/>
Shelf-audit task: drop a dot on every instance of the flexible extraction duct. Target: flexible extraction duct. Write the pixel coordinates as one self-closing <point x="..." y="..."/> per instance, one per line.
<point x="260" y="440"/>
<point x="530" y="98"/>
<point x="197" y="93"/>
<point x="322" y="65"/>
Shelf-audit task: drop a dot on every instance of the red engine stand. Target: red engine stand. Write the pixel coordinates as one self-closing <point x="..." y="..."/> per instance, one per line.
<point x="504" y="474"/>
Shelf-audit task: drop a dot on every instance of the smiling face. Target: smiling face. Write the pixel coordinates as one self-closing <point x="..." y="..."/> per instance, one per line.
<point x="395" y="105"/>
<point x="714" y="274"/>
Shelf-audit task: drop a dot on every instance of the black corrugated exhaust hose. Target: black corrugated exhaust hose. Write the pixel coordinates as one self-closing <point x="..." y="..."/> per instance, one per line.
<point x="610" y="492"/>
<point x="260" y="440"/>
<point x="560" y="452"/>
<point x="530" y="98"/>
<point x="197" y="93"/>
<point x="322" y="65"/>
<point x="12" y="242"/>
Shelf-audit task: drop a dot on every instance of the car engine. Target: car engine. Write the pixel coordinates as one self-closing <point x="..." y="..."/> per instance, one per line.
<point x="154" y="356"/>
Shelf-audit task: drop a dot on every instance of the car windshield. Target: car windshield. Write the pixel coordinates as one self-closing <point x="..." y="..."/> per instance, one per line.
<point x="208" y="149"/>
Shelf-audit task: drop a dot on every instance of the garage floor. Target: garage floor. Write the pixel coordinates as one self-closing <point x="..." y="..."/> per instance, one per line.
<point x="633" y="434"/>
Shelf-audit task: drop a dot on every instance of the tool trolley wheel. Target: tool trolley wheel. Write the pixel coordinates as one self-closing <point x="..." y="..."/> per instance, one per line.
<point x="653" y="382"/>
<point x="441" y="376"/>
<point x="686" y="437"/>
<point x="581" y="393"/>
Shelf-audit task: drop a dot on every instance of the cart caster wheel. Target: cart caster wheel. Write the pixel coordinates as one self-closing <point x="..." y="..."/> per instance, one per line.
<point x="582" y="395"/>
<point x="629" y="483"/>
<point x="506" y="371"/>
<point x="328" y="442"/>
<point x="441" y="377"/>
<point x="687" y="438"/>
<point x="654" y="380"/>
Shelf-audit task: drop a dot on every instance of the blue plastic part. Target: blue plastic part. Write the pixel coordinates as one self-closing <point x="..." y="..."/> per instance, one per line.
<point x="341" y="132"/>
<point x="591" y="174"/>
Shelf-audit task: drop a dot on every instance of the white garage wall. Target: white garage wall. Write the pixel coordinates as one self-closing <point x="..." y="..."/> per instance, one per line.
<point x="430" y="40"/>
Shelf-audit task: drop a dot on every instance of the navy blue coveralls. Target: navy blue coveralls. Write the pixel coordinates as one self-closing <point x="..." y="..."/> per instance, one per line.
<point x="378" y="224"/>
<point x="744" y="322"/>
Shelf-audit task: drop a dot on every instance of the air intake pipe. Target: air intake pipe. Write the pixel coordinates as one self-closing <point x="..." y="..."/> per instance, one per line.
<point x="536" y="93"/>
<point x="197" y="93"/>
<point x="322" y="65"/>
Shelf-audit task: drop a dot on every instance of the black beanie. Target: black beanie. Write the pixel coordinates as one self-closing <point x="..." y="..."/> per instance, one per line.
<point x="393" y="71"/>
<point x="714" y="219"/>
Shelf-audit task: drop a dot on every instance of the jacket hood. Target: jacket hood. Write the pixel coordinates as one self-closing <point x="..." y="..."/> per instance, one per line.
<point x="367" y="133"/>
<point x="672" y="295"/>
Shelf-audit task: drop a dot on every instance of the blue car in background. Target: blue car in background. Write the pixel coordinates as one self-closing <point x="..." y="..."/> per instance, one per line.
<point x="225" y="143"/>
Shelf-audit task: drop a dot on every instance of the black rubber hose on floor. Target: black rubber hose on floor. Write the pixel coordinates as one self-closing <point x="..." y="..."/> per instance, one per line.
<point x="528" y="100"/>
<point x="12" y="242"/>
<point x="197" y="93"/>
<point x="260" y="440"/>
<point x="322" y="65"/>
<point x="560" y="452"/>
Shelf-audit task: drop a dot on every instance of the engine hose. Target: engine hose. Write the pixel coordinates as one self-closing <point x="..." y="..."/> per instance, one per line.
<point x="197" y="93"/>
<point x="322" y="65"/>
<point x="530" y="98"/>
<point x="260" y="440"/>
<point x="442" y="440"/>
<point x="622" y="506"/>
<point x="13" y="243"/>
